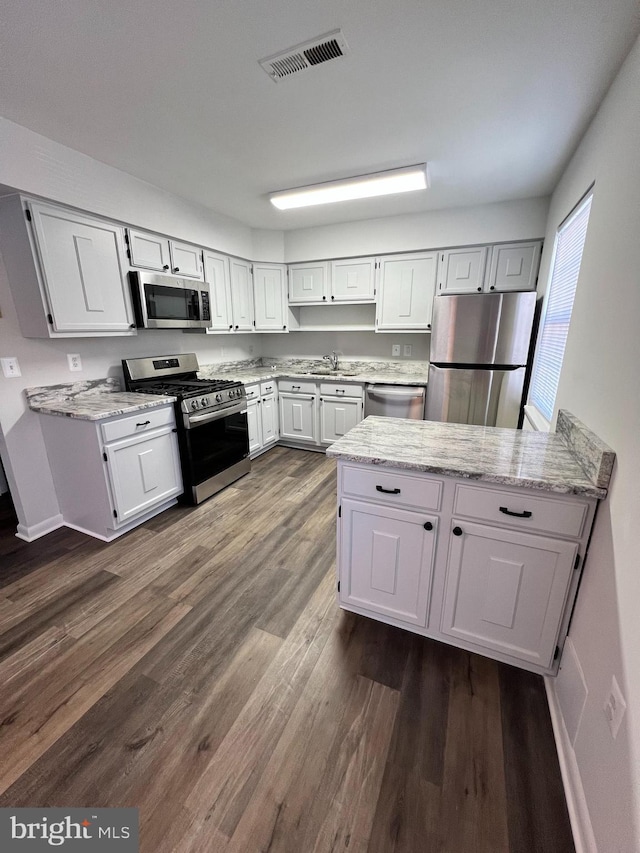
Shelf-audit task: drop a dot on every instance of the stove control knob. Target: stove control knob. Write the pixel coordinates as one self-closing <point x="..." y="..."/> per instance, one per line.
<point x="204" y="402"/>
<point x="238" y="392"/>
<point x="218" y="398"/>
<point x="230" y="394"/>
<point x="194" y="404"/>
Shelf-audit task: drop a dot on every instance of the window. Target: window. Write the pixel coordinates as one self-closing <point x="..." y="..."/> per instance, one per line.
<point x="565" y="267"/>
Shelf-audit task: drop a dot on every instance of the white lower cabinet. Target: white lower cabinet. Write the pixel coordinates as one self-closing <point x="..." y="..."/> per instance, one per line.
<point x="298" y="417"/>
<point x="498" y="588"/>
<point x="262" y="416"/>
<point x="387" y="555"/>
<point x="113" y="474"/>
<point x="337" y="416"/>
<point x="506" y="590"/>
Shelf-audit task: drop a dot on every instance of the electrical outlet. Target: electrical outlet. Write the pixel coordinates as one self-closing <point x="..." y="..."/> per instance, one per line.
<point x="407" y="350"/>
<point x="614" y="707"/>
<point x="74" y="361"/>
<point x="395" y="349"/>
<point x="10" y="367"/>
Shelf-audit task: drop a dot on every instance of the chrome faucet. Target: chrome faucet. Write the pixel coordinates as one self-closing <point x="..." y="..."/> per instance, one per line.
<point x="333" y="358"/>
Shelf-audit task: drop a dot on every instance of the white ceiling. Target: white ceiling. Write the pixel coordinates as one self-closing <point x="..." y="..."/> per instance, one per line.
<point x="494" y="94"/>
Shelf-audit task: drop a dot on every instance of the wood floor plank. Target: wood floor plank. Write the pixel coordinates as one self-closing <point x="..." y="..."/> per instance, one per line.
<point x="537" y="813"/>
<point x="228" y="782"/>
<point x="474" y="795"/>
<point x="30" y="735"/>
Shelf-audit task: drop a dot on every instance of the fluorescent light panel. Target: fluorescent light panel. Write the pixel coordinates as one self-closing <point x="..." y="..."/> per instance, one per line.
<point x="393" y="181"/>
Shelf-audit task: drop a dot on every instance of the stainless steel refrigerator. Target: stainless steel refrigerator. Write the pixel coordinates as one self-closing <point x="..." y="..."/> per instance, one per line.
<point x="478" y="359"/>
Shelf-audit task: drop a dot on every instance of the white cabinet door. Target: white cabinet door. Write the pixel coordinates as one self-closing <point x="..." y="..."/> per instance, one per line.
<point x="270" y="427"/>
<point x="241" y="295"/>
<point x="386" y="560"/>
<point x="407" y="288"/>
<point x="337" y="417"/>
<point x="216" y="273"/>
<point x="506" y="590"/>
<point x="308" y="282"/>
<point x="143" y="471"/>
<point x="149" y="251"/>
<point x="255" y="426"/>
<point x="514" y="267"/>
<point x="353" y="280"/>
<point x="269" y="290"/>
<point x="186" y="260"/>
<point x="83" y="272"/>
<point x="462" y="270"/>
<point x="298" y="417"/>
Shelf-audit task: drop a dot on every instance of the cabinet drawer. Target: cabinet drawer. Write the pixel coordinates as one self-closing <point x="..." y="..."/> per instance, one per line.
<point x="389" y="487"/>
<point x="550" y="515"/>
<point x="267" y="388"/>
<point x="297" y="386"/>
<point x="341" y="389"/>
<point x="143" y="421"/>
<point x="253" y="391"/>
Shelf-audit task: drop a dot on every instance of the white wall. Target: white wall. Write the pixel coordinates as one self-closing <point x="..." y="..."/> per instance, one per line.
<point x="461" y="226"/>
<point x="600" y="385"/>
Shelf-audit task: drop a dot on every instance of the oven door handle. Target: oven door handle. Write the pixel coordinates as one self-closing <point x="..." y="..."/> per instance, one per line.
<point x="199" y="420"/>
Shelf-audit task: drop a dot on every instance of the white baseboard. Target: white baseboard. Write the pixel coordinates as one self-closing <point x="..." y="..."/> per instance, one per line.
<point x="583" y="837"/>
<point x="35" y="531"/>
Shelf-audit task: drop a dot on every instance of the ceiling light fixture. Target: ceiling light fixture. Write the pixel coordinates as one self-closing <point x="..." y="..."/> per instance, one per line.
<point x="390" y="182"/>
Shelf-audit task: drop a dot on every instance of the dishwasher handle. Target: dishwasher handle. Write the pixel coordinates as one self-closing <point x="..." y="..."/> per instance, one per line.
<point x="384" y="391"/>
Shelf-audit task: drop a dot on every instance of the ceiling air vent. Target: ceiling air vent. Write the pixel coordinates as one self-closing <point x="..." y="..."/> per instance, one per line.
<point x="304" y="56"/>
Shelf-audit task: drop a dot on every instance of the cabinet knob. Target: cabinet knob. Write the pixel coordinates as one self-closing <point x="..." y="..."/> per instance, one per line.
<point x="332" y="298"/>
<point x="284" y="327"/>
<point x="479" y="290"/>
<point x="230" y="328"/>
<point x="428" y="525"/>
<point x="324" y="298"/>
<point x="457" y="531"/>
<point x="176" y="269"/>
<point x="165" y="267"/>
<point x="492" y="287"/>
<point x="132" y="325"/>
<point x="428" y="325"/>
<point x="237" y="327"/>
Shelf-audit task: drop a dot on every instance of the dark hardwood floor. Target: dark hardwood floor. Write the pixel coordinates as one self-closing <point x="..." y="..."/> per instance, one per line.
<point x="200" y="669"/>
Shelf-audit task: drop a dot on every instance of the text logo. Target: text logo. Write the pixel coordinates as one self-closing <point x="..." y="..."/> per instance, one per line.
<point x="34" y="830"/>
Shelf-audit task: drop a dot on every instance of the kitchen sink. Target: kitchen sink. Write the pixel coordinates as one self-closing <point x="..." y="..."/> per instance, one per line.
<point x="322" y="371"/>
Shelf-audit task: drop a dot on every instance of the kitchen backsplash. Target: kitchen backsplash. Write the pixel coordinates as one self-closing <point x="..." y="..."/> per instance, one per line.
<point x="411" y="368"/>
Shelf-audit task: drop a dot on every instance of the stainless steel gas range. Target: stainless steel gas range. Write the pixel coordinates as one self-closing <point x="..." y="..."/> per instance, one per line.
<point x="211" y="418"/>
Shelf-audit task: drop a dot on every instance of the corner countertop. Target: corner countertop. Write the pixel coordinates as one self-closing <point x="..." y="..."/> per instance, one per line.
<point x="534" y="460"/>
<point x="90" y="400"/>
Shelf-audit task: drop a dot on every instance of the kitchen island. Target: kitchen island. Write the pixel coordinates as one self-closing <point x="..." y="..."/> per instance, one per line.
<point x="475" y="536"/>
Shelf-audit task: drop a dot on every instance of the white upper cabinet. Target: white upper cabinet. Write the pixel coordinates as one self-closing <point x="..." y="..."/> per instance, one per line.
<point x="308" y="283"/>
<point x="462" y="270"/>
<point x="241" y="295"/>
<point x="511" y="266"/>
<point x="217" y="275"/>
<point x="153" y="252"/>
<point x="407" y="286"/>
<point x="81" y="262"/>
<point x="353" y="280"/>
<point x="270" y="297"/>
<point x="186" y="260"/>
<point x="149" y="251"/>
<point x="514" y="267"/>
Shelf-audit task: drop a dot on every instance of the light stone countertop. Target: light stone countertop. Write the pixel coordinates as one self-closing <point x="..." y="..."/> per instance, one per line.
<point x="388" y="373"/>
<point x="533" y="460"/>
<point x="91" y="400"/>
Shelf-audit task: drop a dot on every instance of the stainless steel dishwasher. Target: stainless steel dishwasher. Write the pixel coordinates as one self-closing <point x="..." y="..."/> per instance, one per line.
<point x="395" y="401"/>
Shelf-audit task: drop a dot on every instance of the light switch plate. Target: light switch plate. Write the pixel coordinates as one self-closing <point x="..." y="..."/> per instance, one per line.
<point x="614" y="707"/>
<point x="407" y="350"/>
<point x="10" y="367"/>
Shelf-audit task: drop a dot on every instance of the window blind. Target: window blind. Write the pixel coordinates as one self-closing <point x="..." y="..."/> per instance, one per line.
<point x="557" y="316"/>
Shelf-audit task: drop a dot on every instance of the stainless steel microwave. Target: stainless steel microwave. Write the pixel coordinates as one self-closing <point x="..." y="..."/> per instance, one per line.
<point x="167" y="302"/>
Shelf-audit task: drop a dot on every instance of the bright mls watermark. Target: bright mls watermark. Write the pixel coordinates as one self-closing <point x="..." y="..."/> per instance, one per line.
<point x="79" y="830"/>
